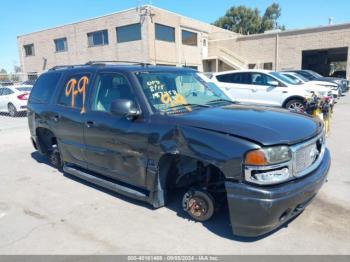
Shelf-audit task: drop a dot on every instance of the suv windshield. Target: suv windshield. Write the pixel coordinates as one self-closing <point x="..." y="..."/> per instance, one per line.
<point x="167" y="91"/>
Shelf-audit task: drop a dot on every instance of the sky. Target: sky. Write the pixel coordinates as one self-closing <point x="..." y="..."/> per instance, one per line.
<point x="25" y="16"/>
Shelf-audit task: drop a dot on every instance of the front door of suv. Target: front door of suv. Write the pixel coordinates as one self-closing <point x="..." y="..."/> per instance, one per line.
<point x="262" y="92"/>
<point x="115" y="146"/>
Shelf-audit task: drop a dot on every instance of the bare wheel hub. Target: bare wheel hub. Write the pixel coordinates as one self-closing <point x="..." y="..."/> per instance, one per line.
<point x="197" y="207"/>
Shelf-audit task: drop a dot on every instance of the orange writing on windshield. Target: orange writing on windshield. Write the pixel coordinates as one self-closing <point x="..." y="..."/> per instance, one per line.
<point x="74" y="87"/>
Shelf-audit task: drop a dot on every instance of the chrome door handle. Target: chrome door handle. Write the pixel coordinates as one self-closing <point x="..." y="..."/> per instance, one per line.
<point x="89" y="124"/>
<point x="56" y="118"/>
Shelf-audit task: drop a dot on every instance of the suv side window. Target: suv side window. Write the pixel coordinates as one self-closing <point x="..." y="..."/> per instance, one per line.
<point x="109" y="87"/>
<point x="44" y="87"/>
<point x="235" y="78"/>
<point x="73" y="91"/>
<point x="225" y="78"/>
<point x="7" y="91"/>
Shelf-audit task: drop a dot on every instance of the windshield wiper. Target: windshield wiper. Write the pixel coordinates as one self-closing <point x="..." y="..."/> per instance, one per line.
<point x="221" y="100"/>
<point x="186" y="105"/>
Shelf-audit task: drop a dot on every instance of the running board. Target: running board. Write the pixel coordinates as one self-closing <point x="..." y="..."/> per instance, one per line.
<point x="113" y="186"/>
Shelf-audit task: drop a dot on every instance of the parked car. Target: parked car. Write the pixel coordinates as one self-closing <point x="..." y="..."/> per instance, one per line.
<point x="6" y="83"/>
<point x="145" y="131"/>
<point x="13" y="99"/>
<point x="311" y="75"/>
<point x="339" y="74"/>
<point x="322" y="89"/>
<point x="28" y="82"/>
<point x="261" y="87"/>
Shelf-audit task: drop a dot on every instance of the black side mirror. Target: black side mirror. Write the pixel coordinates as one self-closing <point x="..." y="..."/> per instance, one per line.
<point x="124" y="108"/>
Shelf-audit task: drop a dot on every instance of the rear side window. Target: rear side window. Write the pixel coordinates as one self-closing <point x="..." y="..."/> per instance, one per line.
<point x="44" y="88"/>
<point x="225" y="78"/>
<point x="74" y="90"/>
<point x="7" y="92"/>
<point x="237" y="78"/>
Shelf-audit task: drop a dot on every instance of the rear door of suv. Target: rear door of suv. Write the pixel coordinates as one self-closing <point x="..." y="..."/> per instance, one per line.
<point x="235" y="85"/>
<point x="69" y="117"/>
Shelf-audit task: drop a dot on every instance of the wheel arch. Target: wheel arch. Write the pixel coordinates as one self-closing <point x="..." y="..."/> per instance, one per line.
<point x="46" y="139"/>
<point x="295" y="97"/>
<point x="172" y="173"/>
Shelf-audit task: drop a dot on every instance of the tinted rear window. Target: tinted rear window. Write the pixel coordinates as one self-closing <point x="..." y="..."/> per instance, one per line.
<point x="44" y="88"/>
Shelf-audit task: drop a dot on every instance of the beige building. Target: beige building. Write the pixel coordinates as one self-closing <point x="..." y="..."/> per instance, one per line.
<point x="146" y="34"/>
<point x="153" y="35"/>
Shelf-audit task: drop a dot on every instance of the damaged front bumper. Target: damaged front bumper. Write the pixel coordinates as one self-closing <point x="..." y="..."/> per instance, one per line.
<point x="255" y="211"/>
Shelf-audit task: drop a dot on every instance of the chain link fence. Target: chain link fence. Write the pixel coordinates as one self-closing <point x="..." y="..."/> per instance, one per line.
<point x="14" y="92"/>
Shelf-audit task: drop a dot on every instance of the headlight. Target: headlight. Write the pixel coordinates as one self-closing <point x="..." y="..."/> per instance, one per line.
<point x="268" y="156"/>
<point x="338" y="81"/>
<point x="268" y="166"/>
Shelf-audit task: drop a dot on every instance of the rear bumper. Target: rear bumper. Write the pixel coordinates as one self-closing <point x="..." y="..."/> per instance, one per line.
<point x="255" y="211"/>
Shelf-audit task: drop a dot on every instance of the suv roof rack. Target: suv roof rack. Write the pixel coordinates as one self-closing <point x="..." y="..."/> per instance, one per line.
<point x="98" y="63"/>
<point x="64" y="67"/>
<point x="117" y="62"/>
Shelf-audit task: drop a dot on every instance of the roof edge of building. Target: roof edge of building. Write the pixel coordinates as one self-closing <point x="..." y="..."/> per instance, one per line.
<point x="82" y="21"/>
<point x="298" y="31"/>
<point x="118" y="12"/>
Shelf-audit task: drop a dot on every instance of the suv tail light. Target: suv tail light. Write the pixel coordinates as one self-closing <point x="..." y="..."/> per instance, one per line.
<point x="23" y="97"/>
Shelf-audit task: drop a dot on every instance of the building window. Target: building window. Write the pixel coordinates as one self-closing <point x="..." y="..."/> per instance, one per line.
<point x="128" y="33"/>
<point x="165" y="33"/>
<point x="98" y="38"/>
<point x="61" y="45"/>
<point x="268" y="66"/>
<point x="251" y="66"/>
<point x="189" y="38"/>
<point x="29" y="50"/>
<point x="191" y="67"/>
<point x="204" y="42"/>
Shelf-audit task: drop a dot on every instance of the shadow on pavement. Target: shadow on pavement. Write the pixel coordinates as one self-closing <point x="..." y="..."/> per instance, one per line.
<point x="219" y="224"/>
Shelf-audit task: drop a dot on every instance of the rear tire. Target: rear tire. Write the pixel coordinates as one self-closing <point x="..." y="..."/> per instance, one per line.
<point x="296" y="105"/>
<point x="55" y="158"/>
<point x="12" y="110"/>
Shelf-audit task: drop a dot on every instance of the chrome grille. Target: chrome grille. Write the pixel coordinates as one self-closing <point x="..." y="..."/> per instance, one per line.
<point x="305" y="157"/>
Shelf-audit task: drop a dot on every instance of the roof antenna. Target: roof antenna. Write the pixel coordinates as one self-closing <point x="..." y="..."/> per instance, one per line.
<point x="145" y="11"/>
<point x="330" y="20"/>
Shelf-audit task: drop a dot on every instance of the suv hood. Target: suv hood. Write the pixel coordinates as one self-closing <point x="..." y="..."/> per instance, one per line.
<point x="261" y="125"/>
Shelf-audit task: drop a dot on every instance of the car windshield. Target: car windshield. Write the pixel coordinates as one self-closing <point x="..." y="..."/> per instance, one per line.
<point x="317" y="75"/>
<point x="24" y="89"/>
<point x="303" y="78"/>
<point x="285" y="79"/>
<point x="293" y="78"/>
<point x="170" y="91"/>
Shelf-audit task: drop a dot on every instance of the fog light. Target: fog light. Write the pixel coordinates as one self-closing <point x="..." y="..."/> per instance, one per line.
<point x="271" y="177"/>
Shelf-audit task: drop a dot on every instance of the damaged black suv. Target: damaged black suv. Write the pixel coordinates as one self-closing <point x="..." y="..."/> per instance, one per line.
<point x="146" y="131"/>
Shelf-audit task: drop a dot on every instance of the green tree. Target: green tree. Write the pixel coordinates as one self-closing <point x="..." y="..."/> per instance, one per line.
<point x="270" y="18"/>
<point x="245" y="20"/>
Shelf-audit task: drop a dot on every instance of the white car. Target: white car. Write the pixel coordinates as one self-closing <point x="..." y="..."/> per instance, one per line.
<point x="319" y="87"/>
<point x="13" y="99"/>
<point x="261" y="87"/>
